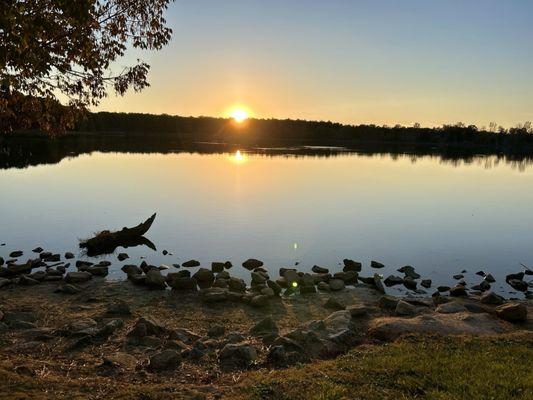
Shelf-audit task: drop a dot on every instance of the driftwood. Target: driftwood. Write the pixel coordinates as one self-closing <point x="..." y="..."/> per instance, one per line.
<point x="106" y="241"/>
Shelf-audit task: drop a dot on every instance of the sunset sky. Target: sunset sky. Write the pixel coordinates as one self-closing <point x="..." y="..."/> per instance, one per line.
<point x="374" y="61"/>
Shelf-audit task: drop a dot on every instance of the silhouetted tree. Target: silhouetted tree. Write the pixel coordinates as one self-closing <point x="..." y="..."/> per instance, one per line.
<point x="51" y="48"/>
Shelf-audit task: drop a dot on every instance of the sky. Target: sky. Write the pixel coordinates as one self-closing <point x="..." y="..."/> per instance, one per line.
<point x="350" y="61"/>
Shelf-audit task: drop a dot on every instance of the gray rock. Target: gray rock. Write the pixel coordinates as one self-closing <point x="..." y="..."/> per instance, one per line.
<point x="323" y="286"/>
<point x="376" y="264"/>
<point x="259" y="301"/>
<point x="358" y="310"/>
<point x="78" y="277"/>
<point x="16" y="253"/>
<point x="237" y="355"/>
<point x="131" y="269"/>
<point x="489" y="278"/>
<point x="264" y="327"/>
<point x="258" y="278"/>
<point x="512" y="312"/>
<point x="319" y="270"/>
<point x="378" y="284"/>
<point x="450" y="308"/>
<point x="351" y="265"/>
<point x="165" y="360"/>
<point x="236" y="285"/>
<point x="252" y="263"/>
<point x="336" y="284"/>
<point x="204" y="277"/>
<point x="155" y="280"/>
<point x="458" y="276"/>
<point x="393" y="280"/>
<point x="274" y="286"/>
<point x="426" y="283"/>
<point x="405" y="309"/>
<point x="491" y="298"/>
<point x="389" y="302"/>
<point x="214" y="295"/>
<point x="191" y="264"/>
<point x="98" y="270"/>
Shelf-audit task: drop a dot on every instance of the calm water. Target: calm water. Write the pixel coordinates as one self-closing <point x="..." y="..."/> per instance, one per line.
<point x="441" y="217"/>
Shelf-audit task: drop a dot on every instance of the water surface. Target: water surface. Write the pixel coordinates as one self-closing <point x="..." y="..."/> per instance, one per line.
<point x="282" y="207"/>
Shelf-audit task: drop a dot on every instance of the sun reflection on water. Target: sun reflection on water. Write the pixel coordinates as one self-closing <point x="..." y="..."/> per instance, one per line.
<point x="239" y="157"/>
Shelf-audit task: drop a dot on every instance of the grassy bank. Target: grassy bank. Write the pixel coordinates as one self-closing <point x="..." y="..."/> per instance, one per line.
<point x="414" y="368"/>
<point x="433" y="368"/>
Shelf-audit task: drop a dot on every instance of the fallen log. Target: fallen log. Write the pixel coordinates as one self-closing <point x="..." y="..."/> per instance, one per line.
<point x="107" y="241"/>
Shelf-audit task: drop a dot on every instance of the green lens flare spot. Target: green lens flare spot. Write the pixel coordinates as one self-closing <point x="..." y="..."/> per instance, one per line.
<point x="295" y="284"/>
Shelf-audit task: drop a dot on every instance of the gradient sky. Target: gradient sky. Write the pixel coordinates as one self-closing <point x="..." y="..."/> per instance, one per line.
<point x="374" y="61"/>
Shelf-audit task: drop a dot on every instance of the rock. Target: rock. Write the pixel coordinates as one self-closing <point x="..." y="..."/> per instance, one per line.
<point x="319" y="270"/>
<point x="392" y="280"/>
<point x="358" y="310"/>
<point x="259" y="301"/>
<point x="236" y="285"/>
<point x="491" y="298"/>
<point x="442" y="289"/>
<point x="266" y="326"/>
<point x="122" y="256"/>
<point x="268" y="292"/>
<point x="518" y="285"/>
<point x="480" y="273"/>
<point x="131" y="269"/>
<point x="217" y="266"/>
<point x="349" y="277"/>
<point x="338" y="321"/>
<point x="69" y="255"/>
<point x="259" y="278"/>
<point x="274" y="286"/>
<point x="4" y="282"/>
<point x="82" y="265"/>
<point x="181" y="283"/>
<point x="252" y="263"/>
<point x="118" y="308"/>
<point x="67" y="289"/>
<point x="155" y="280"/>
<point x="450" y="308"/>
<point x="410" y="283"/>
<point x="237" y="355"/>
<point x="98" y="270"/>
<point x="214" y="295"/>
<point x="375" y="264"/>
<point x="38" y="249"/>
<point x="216" y="331"/>
<point x="378" y="284"/>
<point x="389" y="302"/>
<point x="426" y="283"/>
<point x="458" y="276"/>
<point x="191" y="264"/>
<point x="15" y="254"/>
<point x="323" y="286"/>
<point x="336" y="284"/>
<point x="483" y="286"/>
<point x="489" y="278"/>
<point x="390" y="328"/>
<point x="351" y="265"/>
<point x="518" y="277"/>
<point x="458" y="291"/>
<point x="27" y="281"/>
<point x="165" y="360"/>
<point x="512" y="312"/>
<point x="2" y="261"/>
<point x="204" y="277"/>
<point x="78" y="277"/>
<point x="137" y="279"/>
<point x="404" y="308"/>
<point x="334" y="304"/>
<point x="165" y="252"/>
<point x="277" y="355"/>
<point x="110" y="327"/>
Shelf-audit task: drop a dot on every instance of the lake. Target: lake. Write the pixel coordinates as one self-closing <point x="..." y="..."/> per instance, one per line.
<point x="314" y="205"/>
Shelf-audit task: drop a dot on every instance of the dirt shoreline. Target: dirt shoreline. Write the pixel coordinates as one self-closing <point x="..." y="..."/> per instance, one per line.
<point x="41" y="338"/>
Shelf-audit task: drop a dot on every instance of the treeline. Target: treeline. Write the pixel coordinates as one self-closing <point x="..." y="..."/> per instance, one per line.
<point x="266" y="131"/>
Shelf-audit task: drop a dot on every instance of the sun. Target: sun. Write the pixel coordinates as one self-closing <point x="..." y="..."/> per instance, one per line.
<point x="239" y="115"/>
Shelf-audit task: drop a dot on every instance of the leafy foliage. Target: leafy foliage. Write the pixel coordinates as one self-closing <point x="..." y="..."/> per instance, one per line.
<point x="64" y="49"/>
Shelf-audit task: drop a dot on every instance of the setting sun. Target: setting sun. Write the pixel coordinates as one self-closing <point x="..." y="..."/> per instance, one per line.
<point x="239" y="115"/>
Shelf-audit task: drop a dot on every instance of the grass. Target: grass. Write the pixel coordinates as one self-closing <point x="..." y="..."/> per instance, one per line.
<point x="436" y="368"/>
<point x="430" y="368"/>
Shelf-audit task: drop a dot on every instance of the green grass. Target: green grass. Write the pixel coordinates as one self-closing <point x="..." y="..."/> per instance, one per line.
<point x="432" y="368"/>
